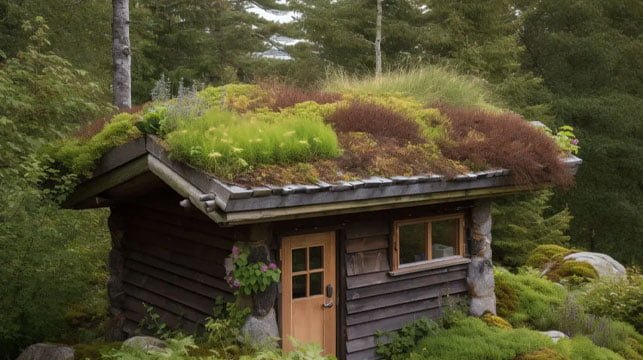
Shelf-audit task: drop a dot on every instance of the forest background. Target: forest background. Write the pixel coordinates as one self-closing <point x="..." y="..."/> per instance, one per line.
<point x="576" y="62"/>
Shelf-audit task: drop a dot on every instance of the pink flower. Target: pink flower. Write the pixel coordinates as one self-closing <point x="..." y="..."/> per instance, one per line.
<point x="575" y="142"/>
<point x="236" y="251"/>
<point x="264" y="268"/>
<point x="236" y="283"/>
<point x="272" y="266"/>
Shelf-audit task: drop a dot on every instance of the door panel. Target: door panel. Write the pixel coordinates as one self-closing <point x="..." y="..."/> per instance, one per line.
<point x="309" y="292"/>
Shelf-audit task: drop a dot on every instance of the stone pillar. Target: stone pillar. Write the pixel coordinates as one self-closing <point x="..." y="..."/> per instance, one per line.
<point x="261" y="326"/>
<point x="480" y="273"/>
<point x="115" y="292"/>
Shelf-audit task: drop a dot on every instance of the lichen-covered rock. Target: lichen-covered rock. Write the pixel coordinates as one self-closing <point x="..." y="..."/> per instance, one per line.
<point x="44" y="351"/>
<point x="261" y="330"/>
<point x="604" y="264"/>
<point x="147" y="343"/>
<point x="572" y="270"/>
<point x="480" y="277"/>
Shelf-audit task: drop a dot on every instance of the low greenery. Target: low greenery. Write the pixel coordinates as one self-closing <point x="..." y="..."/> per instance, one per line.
<point x="550" y="259"/>
<point x="619" y="299"/>
<point x="526" y="299"/>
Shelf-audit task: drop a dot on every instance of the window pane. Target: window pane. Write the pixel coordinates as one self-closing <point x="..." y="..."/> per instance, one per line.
<point x="316" y="257"/>
<point x="412" y="243"/>
<point x="444" y="236"/>
<point x="298" y="286"/>
<point x="299" y="259"/>
<point x="316" y="280"/>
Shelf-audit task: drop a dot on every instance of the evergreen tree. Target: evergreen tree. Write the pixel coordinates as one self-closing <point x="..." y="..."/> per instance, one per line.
<point x="522" y="223"/>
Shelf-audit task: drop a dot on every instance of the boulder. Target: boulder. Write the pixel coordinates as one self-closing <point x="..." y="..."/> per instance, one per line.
<point x="555" y="335"/>
<point x="480" y="277"/>
<point x="480" y="305"/>
<point x="44" y="351"/>
<point x="147" y="343"/>
<point x="261" y="330"/>
<point x="604" y="264"/>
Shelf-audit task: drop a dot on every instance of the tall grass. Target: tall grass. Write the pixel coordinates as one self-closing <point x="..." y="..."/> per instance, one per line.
<point x="226" y="143"/>
<point x="429" y="85"/>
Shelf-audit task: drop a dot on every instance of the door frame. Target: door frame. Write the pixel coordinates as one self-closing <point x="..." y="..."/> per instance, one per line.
<point x="338" y="297"/>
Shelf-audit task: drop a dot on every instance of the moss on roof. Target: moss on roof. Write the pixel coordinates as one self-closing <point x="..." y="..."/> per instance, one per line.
<point x="274" y="134"/>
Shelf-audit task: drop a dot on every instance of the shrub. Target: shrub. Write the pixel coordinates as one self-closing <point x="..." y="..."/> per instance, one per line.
<point x="619" y="299"/>
<point x="545" y="254"/>
<point x="617" y="336"/>
<point x="283" y="96"/>
<point x="471" y="338"/>
<point x="543" y="354"/>
<point x="536" y="298"/>
<point x="582" y="348"/>
<point x="399" y="343"/>
<point x="494" y="320"/>
<point x="377" y="120"/>
<point x="572" y="271"/>
<point x="506" y="141"/>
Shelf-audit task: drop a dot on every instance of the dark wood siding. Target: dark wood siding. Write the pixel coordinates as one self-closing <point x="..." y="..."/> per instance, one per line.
<point x="173" y="261"/>
<point x="376" y="301"/>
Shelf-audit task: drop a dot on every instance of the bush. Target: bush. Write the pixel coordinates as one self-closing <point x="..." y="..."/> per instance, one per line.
<point x="377" y="120"/>
<point x="398" y="344"/>
<point x="283" y="96"/>
<point x="545" y="254"/>
<point x="619" y="299"/>
<point x="617" y="336"/>
<point x="526" y="299"/>
<point x="471" y="338"/>
<point x="572" y="271"/>
<point x="543" y="354"/>
<point x="506" y="141"/>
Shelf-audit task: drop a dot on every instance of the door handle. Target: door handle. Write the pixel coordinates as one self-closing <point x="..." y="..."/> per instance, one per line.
<point x="329" y="294"/>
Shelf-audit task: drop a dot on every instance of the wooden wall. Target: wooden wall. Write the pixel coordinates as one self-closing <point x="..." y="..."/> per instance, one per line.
<point x="371" y="300"/>
<point x="173" y="261"/>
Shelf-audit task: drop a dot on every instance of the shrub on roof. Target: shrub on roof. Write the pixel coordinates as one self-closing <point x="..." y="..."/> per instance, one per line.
<point x="506" y="141"/>
<point x="377" y="120"/>
<point x="283" y="96"/>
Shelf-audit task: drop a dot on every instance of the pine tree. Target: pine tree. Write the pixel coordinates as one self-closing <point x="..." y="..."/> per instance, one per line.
<point x="522" y="223"/>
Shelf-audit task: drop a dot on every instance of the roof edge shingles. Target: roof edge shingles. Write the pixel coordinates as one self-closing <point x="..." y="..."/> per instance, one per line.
<point x="228" y="203"/>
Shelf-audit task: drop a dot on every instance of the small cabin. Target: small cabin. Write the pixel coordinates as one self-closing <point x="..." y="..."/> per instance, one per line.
<point x="356" y="257"/>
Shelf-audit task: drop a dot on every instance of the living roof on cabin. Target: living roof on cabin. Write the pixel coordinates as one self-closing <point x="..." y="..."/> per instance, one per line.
<point x="431" y="128"/>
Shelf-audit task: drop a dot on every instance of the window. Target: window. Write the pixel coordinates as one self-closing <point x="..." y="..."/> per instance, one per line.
<point x="420" y="241"/>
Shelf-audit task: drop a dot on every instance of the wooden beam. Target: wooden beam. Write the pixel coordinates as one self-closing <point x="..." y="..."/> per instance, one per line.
<point x="107" y="181"/>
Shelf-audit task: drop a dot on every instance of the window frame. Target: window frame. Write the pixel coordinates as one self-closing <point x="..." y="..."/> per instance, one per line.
<point x="396" y="267"/>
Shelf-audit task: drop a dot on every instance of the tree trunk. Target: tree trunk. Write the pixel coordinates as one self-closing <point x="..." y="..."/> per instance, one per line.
<point x="121" y="55"/>
<point x="378" y="40"/>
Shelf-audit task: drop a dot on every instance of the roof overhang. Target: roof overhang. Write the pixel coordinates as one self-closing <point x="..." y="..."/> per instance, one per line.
<point x="129" y="168"/>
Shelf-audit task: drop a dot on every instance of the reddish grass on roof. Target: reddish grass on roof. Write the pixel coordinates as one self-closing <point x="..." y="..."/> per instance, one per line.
<point x="505" y="141"/>
<point x="379" y="121"/>
<point x="284" y="96"/>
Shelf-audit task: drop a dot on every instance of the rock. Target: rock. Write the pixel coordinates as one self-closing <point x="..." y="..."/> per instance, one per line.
<point x="261" y="330"/>
<point x="480" y="277"/>
<point x="147" y="343"/>
<point x="44" y="351"/>
<point x="604" y="264"/>
<point x="264" y="301"/>
<point x="480" y="305"/>
<point x="555" y="335"/>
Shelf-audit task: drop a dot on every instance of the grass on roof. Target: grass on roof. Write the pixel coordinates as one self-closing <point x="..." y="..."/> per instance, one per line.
<point x="407" y="123"/>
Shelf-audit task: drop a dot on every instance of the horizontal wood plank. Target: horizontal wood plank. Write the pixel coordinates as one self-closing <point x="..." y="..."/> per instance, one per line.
<point x="367" y="262"/>
<point x="389" y="324"/>
<point x="357" y="281"/>
<point x="406" y="284"/>
<point x="367" y="243"/>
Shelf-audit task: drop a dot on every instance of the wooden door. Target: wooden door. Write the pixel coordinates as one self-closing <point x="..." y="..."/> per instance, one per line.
<point x="309" y="293"/>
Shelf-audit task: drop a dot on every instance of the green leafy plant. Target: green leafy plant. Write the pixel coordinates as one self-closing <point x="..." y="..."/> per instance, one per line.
<point x="251" y="278"/>
<point x="223" y="329"/>
<point x="619" y="299"/>
<point x="566" y="139"/>
<point x="397" y="345"/>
